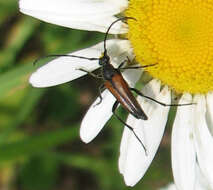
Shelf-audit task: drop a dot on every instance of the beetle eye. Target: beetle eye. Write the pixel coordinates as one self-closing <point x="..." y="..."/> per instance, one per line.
<point x="100" y="62"/>
<point x="104" y="60"/>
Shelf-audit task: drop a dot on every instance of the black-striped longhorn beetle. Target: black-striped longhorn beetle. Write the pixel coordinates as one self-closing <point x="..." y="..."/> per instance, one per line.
<point x="116" y="84"/>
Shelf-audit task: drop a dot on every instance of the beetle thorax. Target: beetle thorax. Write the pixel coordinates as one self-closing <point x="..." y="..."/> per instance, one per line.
<point x="109" y="71"/>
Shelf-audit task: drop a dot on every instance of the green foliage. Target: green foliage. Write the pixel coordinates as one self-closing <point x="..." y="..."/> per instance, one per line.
<point x="40" y="146"/>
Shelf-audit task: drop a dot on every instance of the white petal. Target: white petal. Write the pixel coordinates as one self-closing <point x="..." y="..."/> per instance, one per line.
<point x="183" y="151"/>
<point x="65" y="69"/>
<point x="209" y="113"/>
<point x="96" y="117"/>
<point x="118" y="51"/>
<point x="83" y="14"/>
<point x="169" y="187"/>
<point x="98" y="24"/>
<point x="132" y="154"/>
<point x="80" y="7"/>
<point x="125" y="142"/>
<point x="201" y="182"/>
<point x="132" y="76"/>
<point x="203" y="140"/>
<point x="133" y="162"/>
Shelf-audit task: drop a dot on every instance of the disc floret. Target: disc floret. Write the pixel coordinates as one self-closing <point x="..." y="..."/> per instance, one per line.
<point x="178" y="35"/>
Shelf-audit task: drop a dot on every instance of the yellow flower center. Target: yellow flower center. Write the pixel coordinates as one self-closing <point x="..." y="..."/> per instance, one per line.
<point x="178" y="36"/>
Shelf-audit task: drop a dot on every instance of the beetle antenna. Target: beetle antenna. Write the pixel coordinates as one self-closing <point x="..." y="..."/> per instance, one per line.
<point x="107" y="32"/>
<point x="65" y="55"/>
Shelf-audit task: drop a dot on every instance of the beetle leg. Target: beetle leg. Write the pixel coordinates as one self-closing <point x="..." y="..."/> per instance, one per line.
<point x="161" y="103"/>
<point x="138" y="67"/>
<point x="101" y="88"/>
<point x="121" y="65"/>
<point x="134" y="67"/>
<point x="89" y="73"/>
<point x="115" y="105"/>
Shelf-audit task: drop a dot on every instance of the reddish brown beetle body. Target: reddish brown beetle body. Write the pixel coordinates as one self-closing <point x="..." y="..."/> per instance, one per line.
<point x="116" y="84"/>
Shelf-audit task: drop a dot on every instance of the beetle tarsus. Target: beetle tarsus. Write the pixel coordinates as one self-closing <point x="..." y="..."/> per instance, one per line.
<point x="115" y="105"/>
<point x="102" y="87"/>
<point x="89" y="73"/>
<point x="121" y="65"/>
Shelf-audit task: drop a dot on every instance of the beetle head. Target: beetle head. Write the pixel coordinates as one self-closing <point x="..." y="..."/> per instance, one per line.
<point x="104" y="59"/>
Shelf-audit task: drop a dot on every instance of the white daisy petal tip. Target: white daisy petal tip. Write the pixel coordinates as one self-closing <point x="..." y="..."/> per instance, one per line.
<point x="130" y="181"/>
<point x="96" y="117"/>
<point x="33" y="80"/>
<point x="86" y="134"/>
<point x="36" y="80"/>
<point x="85" y="137"/>
<point x="88" y="130"/>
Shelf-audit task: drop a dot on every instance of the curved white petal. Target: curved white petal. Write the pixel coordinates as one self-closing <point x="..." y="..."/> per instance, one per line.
<point x="201" y="182"/>
<point x="203" y="140"/>
<point x="97" y="24"/>
<point x="80" y="7"/>
<point x="133" y="162"/>
<point x="65" y="69"/>
<point x="183" y="151"/>
<point x="81" y="14"/>
<point x="125" y="142"/>
<point x="96" y="117"/>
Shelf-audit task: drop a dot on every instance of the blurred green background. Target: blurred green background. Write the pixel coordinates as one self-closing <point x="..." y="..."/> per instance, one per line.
<point x="40" y="146"/>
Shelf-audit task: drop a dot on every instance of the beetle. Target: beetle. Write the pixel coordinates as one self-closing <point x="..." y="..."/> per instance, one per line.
<point x="116" y="84"/>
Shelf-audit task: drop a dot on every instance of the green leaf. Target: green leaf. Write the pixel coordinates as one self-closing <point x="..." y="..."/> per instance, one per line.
<point x="16" y="39"/>
<point x="35" y="144"/>
<point x="28" y="103"/>
<point x="15" y="79"/>
<point x="39" y="173"/>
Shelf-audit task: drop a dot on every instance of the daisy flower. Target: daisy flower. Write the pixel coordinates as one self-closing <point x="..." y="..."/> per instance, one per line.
<point x="176" y="34"/>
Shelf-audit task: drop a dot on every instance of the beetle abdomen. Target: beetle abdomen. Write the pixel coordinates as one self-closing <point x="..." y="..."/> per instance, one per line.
<point x="120" y="90"/>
